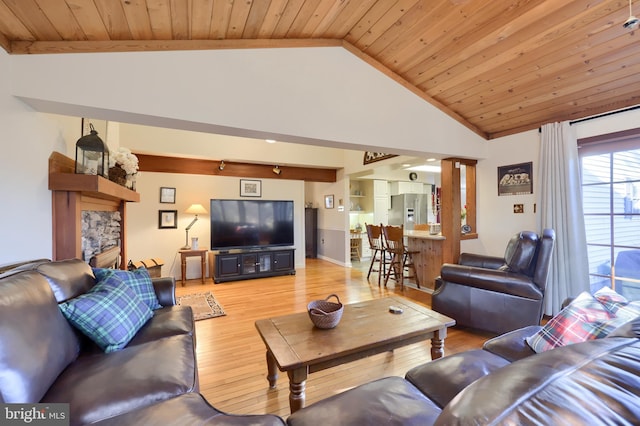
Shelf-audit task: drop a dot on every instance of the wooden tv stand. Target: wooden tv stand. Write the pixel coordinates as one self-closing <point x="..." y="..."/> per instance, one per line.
<point x="234" y="265"/>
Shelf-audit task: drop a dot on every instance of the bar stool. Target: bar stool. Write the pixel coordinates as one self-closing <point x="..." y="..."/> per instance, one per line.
<point x="401" y="257"/>
<point x="378" y="253"/>
<point x="356" y="243"/>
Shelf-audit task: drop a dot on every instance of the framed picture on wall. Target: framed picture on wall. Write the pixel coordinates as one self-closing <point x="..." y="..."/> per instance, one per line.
<point x="167" y="195"/>
<point x="167" y="219"/>
<point x="328" y="201"/>
<point x="515" y="179"/>
<point x="250" y="188"/>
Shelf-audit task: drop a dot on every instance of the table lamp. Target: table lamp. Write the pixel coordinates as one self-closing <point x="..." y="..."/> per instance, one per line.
<point x="193" y="209"/>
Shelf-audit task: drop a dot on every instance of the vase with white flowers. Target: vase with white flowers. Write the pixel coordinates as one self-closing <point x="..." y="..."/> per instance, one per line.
<point x="123" y="167"/>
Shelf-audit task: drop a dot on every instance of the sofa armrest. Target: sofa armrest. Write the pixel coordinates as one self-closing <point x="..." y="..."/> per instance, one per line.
<point x="512" y="346"/>
<point x="165" y="288"/>
<point x="492" y="280"/>
<point x="481" y="261"/>
<point x="442" y="379"/>
<point x="628" y="329"/>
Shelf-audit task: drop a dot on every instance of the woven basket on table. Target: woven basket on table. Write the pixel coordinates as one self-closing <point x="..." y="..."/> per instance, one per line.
<point x="325" y="314"/>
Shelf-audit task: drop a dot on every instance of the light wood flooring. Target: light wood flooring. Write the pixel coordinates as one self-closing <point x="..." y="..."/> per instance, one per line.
<point x="231" y="355"/>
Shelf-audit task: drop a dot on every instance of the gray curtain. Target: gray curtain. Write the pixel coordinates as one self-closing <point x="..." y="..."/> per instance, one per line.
<point x="561" y="209"/>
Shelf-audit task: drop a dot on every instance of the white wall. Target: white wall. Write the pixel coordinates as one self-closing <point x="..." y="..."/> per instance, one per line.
<point x="495" y="218"/>
<point x="27" y="139"/>
<point x="321" y="96"/>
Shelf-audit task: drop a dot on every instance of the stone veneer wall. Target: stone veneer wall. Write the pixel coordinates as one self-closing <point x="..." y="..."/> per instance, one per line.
<point x="100" y="231"/>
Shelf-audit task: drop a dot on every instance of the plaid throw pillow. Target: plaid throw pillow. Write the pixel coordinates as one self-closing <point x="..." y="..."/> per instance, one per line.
<point x="584" y="319"/>
<point x="110" y="314"/>
<point x="617" y="304"/>
<point x="610" y="299"/>
<point x="139" y="280"/>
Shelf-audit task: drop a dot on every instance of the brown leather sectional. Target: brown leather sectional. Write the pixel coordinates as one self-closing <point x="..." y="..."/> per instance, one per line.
<point x="153" y="380"/>
<point x="505" y="383"/>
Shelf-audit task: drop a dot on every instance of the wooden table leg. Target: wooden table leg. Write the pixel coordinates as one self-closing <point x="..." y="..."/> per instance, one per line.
<point x="437" y="344"/>
<point x="183" y="261"/>
<point x="297" y="386"/>
<point x="272" y="370"/>
<point x="204" y="266"/>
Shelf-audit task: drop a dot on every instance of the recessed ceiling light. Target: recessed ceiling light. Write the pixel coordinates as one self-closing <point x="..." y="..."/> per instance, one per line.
<point x="406" y="165"/>
<point x="431" y="159"/>
<point x="270" y="141"/>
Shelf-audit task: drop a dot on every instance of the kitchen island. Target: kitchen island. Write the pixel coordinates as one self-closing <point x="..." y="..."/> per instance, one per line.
<point x="429" y="260"/>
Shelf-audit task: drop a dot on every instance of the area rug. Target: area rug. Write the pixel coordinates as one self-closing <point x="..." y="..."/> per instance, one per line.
<point x="204" y="305"/>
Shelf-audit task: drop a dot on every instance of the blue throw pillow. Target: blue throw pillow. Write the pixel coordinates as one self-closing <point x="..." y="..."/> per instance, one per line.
<point x="139" y="280"/>
<point x="110" y="314"/>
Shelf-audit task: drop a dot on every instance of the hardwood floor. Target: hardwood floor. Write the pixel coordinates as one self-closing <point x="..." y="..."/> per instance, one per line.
<point x="231" y="355"/>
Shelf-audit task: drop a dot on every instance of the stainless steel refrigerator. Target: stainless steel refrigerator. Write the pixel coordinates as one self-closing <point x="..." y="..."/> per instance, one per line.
<point x="409" y="209"/>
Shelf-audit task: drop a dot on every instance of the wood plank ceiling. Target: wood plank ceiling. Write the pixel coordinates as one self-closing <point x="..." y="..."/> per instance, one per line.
<point x="498" y="67"/>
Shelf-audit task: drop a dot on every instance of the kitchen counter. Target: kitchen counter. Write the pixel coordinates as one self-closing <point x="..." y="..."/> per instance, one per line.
<point x="423" y="234"/>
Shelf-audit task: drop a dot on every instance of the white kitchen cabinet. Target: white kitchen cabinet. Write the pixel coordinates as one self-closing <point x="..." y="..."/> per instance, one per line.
<point x="398" y="188"/>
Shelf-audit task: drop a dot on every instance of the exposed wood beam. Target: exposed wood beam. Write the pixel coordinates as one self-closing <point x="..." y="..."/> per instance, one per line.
<point x="164" y="164"/>
<point x="5" y="44"/>
<point x="39" y="47"/>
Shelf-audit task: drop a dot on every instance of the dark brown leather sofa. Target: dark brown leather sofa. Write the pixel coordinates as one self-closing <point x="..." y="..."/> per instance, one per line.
<point x="153" y="380"/>
<point x="497" y="294"/>
<point x="505" y="383"/>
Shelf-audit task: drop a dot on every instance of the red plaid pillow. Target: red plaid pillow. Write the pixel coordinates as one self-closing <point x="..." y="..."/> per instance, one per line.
<point x="610" y="299"/>
<point x="617" y="304"/>
<point x="584" y="319"/>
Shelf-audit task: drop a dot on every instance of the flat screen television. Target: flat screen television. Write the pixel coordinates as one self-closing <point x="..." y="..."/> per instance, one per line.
<point x="250" y="224"/>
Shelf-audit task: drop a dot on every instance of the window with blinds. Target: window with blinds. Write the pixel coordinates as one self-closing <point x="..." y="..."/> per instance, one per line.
<point x="610" y="170"/>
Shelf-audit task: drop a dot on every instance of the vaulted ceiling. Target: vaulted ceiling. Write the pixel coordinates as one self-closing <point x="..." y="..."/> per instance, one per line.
<point x="498" y="67"/>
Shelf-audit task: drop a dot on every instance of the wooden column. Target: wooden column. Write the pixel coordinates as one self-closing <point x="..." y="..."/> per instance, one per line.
<point x="471" y="200"/>
<point x="450" y="210"/>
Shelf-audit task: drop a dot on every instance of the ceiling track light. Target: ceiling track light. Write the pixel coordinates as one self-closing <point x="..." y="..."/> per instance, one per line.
<point x="277" y="170"/>
<point x="221" y="166"/>
<point x="632" y="22"/>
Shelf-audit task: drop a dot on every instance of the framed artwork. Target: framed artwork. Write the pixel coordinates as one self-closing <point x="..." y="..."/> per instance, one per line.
<point x="99" y="126"/>
<point x="372" y="157"/>
<point x="167" y="195"/>
<point x="515" y="179"/>
<point x="328" y="201"/>
<point x="250" y="188"/>
<point x="167" y="219"/>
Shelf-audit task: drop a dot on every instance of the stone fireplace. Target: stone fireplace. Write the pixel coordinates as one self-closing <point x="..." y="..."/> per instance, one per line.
<point x="100" y="231"/>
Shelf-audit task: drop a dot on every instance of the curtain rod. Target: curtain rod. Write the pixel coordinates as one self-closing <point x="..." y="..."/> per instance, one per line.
<point x="605" y="114"/>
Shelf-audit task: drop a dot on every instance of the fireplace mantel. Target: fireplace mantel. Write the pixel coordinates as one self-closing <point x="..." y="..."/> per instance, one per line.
<point x="71" y="194"/>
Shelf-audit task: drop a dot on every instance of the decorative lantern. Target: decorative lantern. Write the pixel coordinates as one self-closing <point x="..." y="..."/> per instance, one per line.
<point x="92" y="155"/>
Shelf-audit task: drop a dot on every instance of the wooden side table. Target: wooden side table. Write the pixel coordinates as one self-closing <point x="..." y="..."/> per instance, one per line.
<point x="189" y="253"/>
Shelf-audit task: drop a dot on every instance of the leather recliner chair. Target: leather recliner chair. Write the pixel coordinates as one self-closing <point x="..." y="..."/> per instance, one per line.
<point x="497" y="294"/>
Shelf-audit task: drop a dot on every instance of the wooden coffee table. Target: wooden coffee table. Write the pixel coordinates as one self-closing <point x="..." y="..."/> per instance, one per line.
<point x="296" y="346"/>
